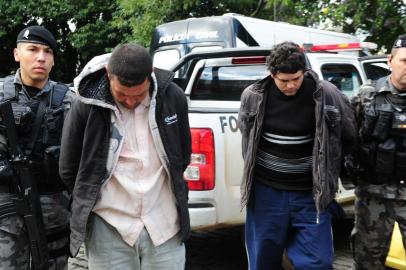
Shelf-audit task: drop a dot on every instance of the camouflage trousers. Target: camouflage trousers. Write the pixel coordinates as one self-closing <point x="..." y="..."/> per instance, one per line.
<point x="14" y="244"/>
<point x="374" y="221"/>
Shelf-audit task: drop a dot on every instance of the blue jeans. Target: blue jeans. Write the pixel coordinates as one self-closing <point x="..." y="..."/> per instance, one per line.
<point x="106" y="249"/>
<point x="280" y="220"/>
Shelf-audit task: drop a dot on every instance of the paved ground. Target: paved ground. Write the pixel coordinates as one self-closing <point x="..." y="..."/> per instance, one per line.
<point x="222" y="250"/>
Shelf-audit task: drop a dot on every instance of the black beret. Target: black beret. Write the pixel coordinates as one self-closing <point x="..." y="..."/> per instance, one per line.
<point x="400" y="42"/>
<point x="37" y="34"/>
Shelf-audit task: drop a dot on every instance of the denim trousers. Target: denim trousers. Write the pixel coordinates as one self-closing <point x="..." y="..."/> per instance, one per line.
<point x="279" y="221"/>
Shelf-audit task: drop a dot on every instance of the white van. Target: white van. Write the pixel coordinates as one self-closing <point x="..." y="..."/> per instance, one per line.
<point x="173" y="40"/>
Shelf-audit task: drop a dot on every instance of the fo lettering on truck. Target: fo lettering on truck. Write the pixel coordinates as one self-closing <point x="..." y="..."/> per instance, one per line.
<point x="213" y="82"/>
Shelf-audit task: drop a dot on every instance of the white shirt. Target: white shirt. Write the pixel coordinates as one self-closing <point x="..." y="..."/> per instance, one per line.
<point x="139" y="193"/>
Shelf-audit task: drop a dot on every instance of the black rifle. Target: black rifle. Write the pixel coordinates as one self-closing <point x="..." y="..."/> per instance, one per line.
<point x="27" y="203"/>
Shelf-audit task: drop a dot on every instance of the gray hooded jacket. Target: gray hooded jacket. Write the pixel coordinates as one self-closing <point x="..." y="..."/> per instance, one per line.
<point x="91" y="142"/>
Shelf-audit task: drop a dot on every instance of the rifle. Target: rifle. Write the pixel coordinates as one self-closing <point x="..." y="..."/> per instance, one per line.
<point x="27" y="203"/>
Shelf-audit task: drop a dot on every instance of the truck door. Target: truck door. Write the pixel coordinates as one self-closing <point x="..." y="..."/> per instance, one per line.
<point x="375" y="67"/>
<point x="213" y="92"/>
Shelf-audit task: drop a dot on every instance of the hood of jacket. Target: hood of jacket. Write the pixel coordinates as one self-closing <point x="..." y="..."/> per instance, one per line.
<point x="93" y="87"/>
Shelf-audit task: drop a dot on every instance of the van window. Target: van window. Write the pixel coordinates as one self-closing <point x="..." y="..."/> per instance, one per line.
<point x="345" y="76"/>
<point x="205" y="48"/>
<point x="376" y="70"/>
<point x="226" y="82"/>
<point x="165" y="59"/>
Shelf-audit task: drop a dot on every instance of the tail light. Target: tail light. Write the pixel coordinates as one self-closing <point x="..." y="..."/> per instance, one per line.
<point x="249" y="60"/>
<point x="200" y="174"/>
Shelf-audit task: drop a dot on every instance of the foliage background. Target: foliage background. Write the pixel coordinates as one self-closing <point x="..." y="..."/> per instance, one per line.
<point x="84" y="29"/>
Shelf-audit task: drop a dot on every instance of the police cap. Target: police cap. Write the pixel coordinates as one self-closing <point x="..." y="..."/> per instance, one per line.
<point x="37" y="34"/>
<point x="400" y="42"/>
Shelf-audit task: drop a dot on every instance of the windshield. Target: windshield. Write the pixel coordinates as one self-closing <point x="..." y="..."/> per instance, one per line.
<point x="226" y="82"/>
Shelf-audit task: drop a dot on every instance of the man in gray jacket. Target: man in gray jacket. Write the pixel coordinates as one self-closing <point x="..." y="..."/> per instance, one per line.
<point x="296" y="130"/>
<point x="125" y="145"/>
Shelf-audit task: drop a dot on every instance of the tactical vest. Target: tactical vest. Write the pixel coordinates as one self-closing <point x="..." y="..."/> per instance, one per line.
<point x="383" y="140"/>
<point x="44" y="149"/>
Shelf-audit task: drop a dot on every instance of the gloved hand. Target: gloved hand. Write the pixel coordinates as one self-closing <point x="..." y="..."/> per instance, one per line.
<point x="349" y="172"/>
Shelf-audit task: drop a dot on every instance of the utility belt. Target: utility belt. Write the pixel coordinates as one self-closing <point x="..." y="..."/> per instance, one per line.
<point x="382" y="151"/>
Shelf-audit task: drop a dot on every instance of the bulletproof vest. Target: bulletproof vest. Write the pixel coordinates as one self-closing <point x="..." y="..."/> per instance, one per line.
<point x="41" y="143"/>
<point x="383" y="140"/>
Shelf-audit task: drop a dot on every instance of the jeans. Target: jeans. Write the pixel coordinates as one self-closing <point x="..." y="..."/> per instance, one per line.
<point x="279" y="220"/>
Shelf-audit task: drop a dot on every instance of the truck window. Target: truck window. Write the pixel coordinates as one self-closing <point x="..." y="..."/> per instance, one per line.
<point x="376" y="70"/>
<point x="205" y="48"/>
<point x="165" y="59"/>
<point x="345" y="76"/>
<point x="226" y="82"/>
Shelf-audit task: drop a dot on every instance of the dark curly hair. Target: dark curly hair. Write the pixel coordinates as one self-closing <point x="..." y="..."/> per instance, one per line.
<point x="286" y="57"/>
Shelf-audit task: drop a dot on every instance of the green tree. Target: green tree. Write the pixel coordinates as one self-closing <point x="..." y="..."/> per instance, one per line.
<point x="83" y="29"/>
<point x="381" y="20"/>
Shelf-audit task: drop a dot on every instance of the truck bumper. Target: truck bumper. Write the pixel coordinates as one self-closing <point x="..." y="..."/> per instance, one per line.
<point x="202" y="215"/>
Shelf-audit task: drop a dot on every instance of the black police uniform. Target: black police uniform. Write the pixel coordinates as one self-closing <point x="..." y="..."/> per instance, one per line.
<point x="381" y="190"/>
<point x="49" y="105"/>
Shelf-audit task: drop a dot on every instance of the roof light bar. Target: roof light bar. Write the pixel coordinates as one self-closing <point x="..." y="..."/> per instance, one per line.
<point x="340" y="47"/>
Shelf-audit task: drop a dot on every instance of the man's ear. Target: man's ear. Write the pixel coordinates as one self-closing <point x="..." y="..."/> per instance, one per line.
<point x="390" y="57"/>
<point x="107" y="71"/>
<point x="16" y="53"/>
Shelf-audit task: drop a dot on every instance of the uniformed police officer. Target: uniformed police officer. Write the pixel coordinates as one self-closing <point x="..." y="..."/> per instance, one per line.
<point x="33" y="96"/>
<point x="381" y="193"/>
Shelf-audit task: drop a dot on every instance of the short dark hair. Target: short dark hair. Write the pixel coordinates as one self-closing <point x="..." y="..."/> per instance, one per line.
<point x="286" y="57"/>
<point x="130" y="63"/>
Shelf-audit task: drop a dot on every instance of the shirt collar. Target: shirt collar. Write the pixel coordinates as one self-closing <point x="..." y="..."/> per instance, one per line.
<point x="146" y="101"/>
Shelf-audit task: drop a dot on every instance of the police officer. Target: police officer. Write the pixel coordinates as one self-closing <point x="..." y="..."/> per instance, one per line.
<point x="39" y="106"/>
<point x="381" y="193"/>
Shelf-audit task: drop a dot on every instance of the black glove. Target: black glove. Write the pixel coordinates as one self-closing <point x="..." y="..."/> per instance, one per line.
<point x="349" y="172"/>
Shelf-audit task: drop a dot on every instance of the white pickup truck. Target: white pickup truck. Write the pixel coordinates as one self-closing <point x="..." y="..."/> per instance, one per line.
<point x="213" y="82"/>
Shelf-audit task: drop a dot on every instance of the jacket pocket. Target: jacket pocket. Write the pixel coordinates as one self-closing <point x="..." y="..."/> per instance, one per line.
<point x="83" y="197"/>
<point x="385" y="157"/>
<point x="332" y="138"/>
<point x="333" y="117"/>
<point x="401" y="163"/>
<point x="246" y="121"/>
